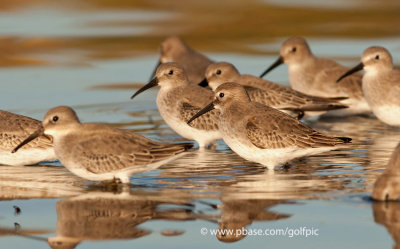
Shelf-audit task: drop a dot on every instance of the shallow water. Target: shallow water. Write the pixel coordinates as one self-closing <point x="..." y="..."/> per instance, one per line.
<point x="66" y="53"/>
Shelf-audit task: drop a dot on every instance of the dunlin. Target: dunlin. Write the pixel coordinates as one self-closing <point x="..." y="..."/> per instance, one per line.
<point x="14" y="129"/>
<point x="263" y="134"/>
<point x="178" y="101"/>
<point x="268" y="93"/>
<point x="173" y="49"/>
<point x="317" y="76"/>
<point x="98" y="152"/>
<point x="380" y="84"/>
<point x="387" y="186"/>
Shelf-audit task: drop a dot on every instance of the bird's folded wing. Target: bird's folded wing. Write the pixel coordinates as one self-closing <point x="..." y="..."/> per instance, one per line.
<point x="268" y="132"/>
<point x="16" y="128"/>
<point x="104" y="153"/>
<point x="207" y="121"/>
<point x="276" y="98"/>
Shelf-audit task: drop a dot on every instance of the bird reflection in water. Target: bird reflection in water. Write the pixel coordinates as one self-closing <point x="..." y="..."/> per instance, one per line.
<point x="387" y="186"/>
<point x="110" y="216"/>
<point x="387" y="214"/>
<point x="237" y="214"/>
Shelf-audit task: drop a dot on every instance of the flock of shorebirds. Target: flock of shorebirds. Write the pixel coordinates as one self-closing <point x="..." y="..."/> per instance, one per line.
<point x="205" y="101"/>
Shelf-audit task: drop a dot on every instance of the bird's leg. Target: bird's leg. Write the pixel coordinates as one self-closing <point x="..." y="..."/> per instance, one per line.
<point x="213" y="146"/>
<point x="111" y="185"/>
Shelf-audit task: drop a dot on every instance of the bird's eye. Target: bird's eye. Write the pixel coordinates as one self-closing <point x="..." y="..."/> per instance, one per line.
<point x="55" y="118"/>
<point x="377" y="57"/>
<point x="221" y="95"/>
<point x="171" y="72"/>
<point x="218" y="72"/>
<point x="294" y="49"/>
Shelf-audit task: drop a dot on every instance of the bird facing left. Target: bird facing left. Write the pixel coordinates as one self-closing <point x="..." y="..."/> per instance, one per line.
<point x="98" y="152"/>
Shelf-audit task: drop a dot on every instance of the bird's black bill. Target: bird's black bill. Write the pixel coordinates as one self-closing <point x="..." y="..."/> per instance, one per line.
<point x="152" y="83"/>
<point x="278" y="62"/>
<point x="206" y="109"/>
<point x="155" y="70"/>
<point x="34" y="135"/>
<point x="204" y="83"/>
<point x="355" y="69"/>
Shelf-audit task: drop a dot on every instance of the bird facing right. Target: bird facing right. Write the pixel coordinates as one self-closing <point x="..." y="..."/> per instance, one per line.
<point x="263" y="134"/>
<point x="380" y="84"/>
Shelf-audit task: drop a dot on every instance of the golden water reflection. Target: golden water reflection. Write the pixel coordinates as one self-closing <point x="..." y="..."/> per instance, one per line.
<point x="113" y="216"/>
<point x="234" y="28"/>
<point x="20" y="182"/>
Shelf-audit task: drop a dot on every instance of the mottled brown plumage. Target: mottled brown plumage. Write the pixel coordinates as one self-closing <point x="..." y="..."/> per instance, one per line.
<point x="101" y="149"/>
<point x="269" y="129"/>
<point x="98" y="152"/>
<point x="269" y="93"/>
<point x="178" y="101"/>
<point x="263" y="134"/>
<point x="207" y="122"/>
<point x="14" y="129"/>
<point x="317" y="76"/>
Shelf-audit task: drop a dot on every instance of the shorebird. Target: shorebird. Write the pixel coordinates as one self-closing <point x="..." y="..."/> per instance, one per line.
<point x="387" y="186"/>
<point x="14" y="129"/>
<point x="98" y="152"/>
<point x="380" y="84"/>
<point x="267" y="92"/>
<point x="317" y="76"/>
<point x="178" y="101"/>
<point x="263" y="134"/>
<point x="174" y="49"/>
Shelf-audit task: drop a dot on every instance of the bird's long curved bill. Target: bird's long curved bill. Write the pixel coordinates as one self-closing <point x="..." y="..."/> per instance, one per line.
<point x="355" y="69"/>
<point x="203" y="83"/>
<point x="278" y="62"/>
<point x="155" y="70"/>
<point x="206" y="109"/>
<point x="152" y="83"/>
<point x="34" y="135"/>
